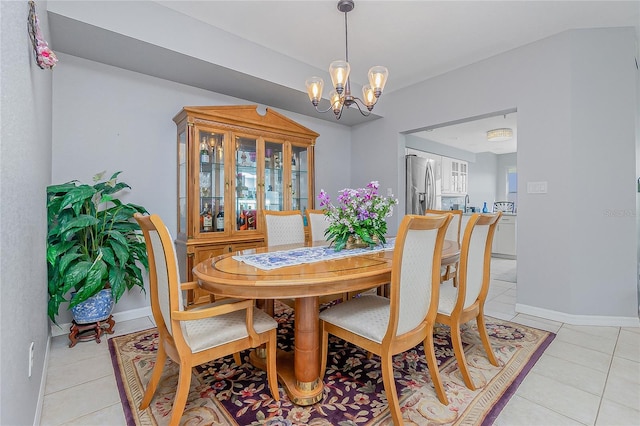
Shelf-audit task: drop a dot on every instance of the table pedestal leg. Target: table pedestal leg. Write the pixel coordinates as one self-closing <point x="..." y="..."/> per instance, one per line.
<point x="299" y="371"/>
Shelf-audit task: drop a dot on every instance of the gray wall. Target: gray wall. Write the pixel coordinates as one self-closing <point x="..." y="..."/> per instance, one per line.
<point x="576" y="100"/>
<point x="483" y="175"/>
<point x="109" y="118"/>
<point x="25" y="168"/>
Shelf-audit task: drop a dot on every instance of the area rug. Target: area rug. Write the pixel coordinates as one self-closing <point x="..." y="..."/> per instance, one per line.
<point x="223" y="393"/>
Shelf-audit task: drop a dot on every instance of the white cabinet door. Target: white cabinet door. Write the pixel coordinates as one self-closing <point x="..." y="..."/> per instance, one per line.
<point x="446" y="175"/>
<point x="454" y="176"/>
<point x="504" y="240"/>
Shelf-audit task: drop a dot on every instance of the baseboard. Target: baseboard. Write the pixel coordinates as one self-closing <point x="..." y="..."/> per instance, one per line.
<point x="504" y="256"/>
<point x="118" y="317"/>
<point x="595" y="320"/>
<point x="43" y="383"/>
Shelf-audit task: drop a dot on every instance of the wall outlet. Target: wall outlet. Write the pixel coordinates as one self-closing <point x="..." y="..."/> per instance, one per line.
<point x="389" y="192"/>
<point x="31" y="350"/>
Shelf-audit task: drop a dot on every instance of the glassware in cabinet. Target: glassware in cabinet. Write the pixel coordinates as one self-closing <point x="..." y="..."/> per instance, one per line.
<point x="211" y="185"/>
<point x="246" y="184"/>
<point x="299" y="178"/>
<point x="273" y="175"/>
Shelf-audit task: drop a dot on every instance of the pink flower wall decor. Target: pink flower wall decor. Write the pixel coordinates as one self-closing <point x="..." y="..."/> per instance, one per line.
<point x="45" y="58"/>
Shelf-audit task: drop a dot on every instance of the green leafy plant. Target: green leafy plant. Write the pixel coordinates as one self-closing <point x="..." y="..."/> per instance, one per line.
<point x="360" y="213"/>
<point x="93" y="242"/>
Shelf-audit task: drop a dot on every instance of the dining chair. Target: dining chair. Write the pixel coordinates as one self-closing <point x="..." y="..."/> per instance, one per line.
<point x="388" y="326"/>
<point x="317" y="223"/>
<point x="504" y="206"/>
<point x="453" y="234"/>
<point x="460" y="304"/>
<point x="283" y="227"/>
<point x="287" y="227"/>
<point x="199" y="335"/>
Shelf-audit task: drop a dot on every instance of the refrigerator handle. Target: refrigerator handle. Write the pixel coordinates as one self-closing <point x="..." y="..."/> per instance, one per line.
<point x="430" y="187"/>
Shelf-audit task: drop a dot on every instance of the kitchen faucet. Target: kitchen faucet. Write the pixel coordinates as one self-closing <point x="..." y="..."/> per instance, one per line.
<point x="466" y="203"/>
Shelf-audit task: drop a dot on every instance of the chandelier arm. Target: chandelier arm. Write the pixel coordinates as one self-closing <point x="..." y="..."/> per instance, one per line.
<point x="322" y="111"/>
<point x="357" y="102"/>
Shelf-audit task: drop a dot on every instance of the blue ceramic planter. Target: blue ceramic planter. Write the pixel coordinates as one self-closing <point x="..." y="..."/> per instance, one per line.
<point x="95" y="308"/>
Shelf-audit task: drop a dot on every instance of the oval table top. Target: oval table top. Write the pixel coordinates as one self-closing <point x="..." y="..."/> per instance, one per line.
<point x="226" y="276"/>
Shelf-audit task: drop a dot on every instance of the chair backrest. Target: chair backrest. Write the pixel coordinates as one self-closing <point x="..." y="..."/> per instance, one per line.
<point x="453" y="229"/>
<point x="475" y="258"/>
<point x="164" y="280"/>
<point x="318" y="224"/>
<point x="504" y="206"/>
<point x="415" y="273"/>
<point x="283" y="227"/>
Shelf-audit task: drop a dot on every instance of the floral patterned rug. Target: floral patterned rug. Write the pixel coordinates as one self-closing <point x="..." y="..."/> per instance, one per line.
<point x="225" y="394"/>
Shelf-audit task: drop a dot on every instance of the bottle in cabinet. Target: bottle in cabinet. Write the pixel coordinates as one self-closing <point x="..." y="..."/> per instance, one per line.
<point x="204" y="152"/>
<point x="242" y="219"/>
<point x="220" y="220"/>
<point x="206" y="219"/>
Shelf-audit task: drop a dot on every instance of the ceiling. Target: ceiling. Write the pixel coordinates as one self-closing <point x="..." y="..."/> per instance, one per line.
<point x="402" y="28"/>
<point x="415" y="40"/>
<point x="472" y="135"/>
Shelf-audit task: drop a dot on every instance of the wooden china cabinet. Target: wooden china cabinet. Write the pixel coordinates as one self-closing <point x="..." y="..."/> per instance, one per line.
<point x="234" y="162"/>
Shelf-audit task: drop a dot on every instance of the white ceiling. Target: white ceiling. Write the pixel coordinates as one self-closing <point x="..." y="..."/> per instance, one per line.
<point x="472" y="135"/>
<point x="415" y="40"/>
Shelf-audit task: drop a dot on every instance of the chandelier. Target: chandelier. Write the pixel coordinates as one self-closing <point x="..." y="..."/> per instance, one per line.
<point x="339" y="70"/>
<point x="499" y="135"/>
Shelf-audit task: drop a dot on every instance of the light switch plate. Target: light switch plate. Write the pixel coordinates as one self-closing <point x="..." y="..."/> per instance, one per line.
<point x="537" y="187"/>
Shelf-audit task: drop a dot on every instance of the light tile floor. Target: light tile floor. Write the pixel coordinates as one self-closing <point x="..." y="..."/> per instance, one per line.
<point x="587" y="376"/>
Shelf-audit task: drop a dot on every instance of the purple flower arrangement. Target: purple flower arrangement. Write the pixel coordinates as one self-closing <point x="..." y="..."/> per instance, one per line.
<point x="359" y="213"/>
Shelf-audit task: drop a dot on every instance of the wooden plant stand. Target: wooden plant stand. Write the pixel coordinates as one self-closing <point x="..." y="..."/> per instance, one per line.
<point x="90" y="331"/>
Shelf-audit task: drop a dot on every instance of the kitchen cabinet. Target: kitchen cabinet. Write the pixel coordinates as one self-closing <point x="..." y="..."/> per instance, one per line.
<point x="234" y="162"/>
<point x="504" y="239"/>
<point x="454" y="176"/>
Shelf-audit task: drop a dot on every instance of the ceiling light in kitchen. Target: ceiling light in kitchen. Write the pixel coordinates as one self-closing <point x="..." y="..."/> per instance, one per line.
<point x="499" y="135"/>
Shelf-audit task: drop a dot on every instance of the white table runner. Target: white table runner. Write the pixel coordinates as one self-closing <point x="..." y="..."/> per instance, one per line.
<point x="299" y="256"/>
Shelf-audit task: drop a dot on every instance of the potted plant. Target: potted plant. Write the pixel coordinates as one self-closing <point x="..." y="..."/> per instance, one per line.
<point x="359" y="219"/>
<point x="93" y="243"/>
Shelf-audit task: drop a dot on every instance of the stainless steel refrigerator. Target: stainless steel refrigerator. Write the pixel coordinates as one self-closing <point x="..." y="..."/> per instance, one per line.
<point x="423" y="184"/>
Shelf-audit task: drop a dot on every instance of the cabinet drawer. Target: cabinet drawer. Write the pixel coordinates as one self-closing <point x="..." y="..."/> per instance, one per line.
<point x="504" y="220"/>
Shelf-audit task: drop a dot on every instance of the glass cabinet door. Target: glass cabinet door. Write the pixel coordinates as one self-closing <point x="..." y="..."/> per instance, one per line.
<point x="273" y="176"/>
<point x="212" y="184"/>
<point x="182" y="182"/>
<point x="299" y="179"/>
<point x="246" y="183"/>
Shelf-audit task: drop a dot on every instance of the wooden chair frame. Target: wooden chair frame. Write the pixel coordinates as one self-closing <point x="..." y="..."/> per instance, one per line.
<point x="313" y="233"/>
<point x="461" y="314"/>
<point x="174" y="344"/>
<point x="451" y="271"/>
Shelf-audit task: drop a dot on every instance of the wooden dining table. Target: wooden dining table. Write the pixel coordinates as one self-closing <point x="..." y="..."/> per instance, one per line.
<point x="299" y="371"/>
